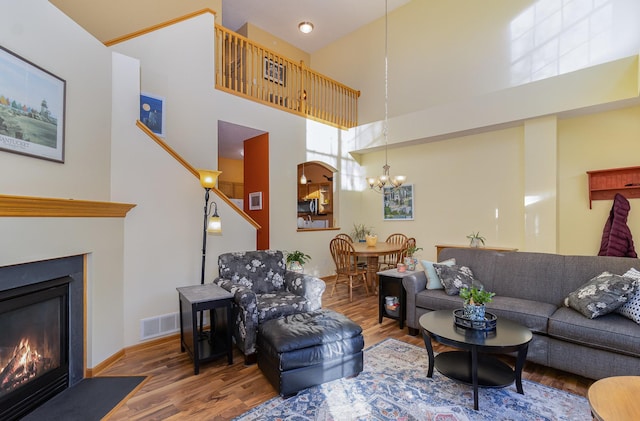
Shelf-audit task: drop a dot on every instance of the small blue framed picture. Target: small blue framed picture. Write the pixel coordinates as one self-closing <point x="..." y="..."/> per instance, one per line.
<point x="152" y="113"/>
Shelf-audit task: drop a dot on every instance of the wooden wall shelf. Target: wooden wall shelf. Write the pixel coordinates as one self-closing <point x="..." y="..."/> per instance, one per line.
<point x="604" y="184"/>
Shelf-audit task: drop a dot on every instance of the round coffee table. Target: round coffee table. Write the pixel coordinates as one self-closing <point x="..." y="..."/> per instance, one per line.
<point x="615" y="398"/>
<point x="472" y="365"/>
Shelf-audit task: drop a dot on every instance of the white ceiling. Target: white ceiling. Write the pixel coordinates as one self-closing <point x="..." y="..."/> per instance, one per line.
<point x="231" y="138"/>
<point x="332" y="19"/>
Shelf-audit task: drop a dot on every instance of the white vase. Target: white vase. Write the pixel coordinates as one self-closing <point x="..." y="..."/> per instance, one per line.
<point x="475" y="242"/>
<point x="296" y="267"/>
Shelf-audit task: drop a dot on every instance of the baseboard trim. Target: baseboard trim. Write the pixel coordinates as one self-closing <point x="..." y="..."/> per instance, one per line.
<point x="95" y="371"/>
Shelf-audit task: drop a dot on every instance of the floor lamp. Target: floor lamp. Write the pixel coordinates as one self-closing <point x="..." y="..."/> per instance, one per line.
<point x="212" y="224"/>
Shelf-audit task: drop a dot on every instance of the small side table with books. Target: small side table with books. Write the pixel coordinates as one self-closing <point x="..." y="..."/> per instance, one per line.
<point x="390" y="285"/>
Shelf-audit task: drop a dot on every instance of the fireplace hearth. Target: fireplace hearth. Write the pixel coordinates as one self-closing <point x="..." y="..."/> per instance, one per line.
<point x="41" y="320"/>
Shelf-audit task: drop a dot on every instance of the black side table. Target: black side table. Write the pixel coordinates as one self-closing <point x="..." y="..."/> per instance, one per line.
<point x="216" y="341"/>
<point x="390" y="284"/>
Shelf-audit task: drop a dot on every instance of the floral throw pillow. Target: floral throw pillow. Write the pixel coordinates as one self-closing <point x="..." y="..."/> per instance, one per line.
<point x="631" y="309"/>
<point x="433" y="282"/>
<point x="601" y="295"/>
<point x="455" y="277"/>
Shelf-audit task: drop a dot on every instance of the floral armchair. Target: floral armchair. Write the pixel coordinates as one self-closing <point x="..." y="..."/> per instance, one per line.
<point x="264" y="289"/>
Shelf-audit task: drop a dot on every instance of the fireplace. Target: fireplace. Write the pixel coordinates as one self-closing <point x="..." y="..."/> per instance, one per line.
<point x="41" y="345"/>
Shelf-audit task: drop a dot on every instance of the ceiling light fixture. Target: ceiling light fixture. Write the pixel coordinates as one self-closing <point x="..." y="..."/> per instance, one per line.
<point x="377" y="184"/>
<point x="305" y="27"/>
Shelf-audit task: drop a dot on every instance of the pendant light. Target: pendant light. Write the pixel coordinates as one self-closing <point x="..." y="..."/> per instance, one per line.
<point x="378" y="183"/>
<point x="303" y="179"/>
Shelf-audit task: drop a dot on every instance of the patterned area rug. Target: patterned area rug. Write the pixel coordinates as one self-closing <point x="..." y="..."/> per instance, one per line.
<point x="394" y="386"/>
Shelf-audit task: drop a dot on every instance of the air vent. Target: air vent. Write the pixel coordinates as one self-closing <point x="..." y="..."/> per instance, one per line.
<point x="159" y="325"/>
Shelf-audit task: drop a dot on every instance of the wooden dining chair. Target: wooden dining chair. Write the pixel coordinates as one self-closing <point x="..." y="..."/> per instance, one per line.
<point x="345" y="237"/>
<point x="362" y="262"/>
<point x="390" y="261"/>
<point x="347" y="269"/>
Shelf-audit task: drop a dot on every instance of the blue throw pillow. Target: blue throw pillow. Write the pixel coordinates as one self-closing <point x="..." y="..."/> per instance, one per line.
<point x="433" y="281"/>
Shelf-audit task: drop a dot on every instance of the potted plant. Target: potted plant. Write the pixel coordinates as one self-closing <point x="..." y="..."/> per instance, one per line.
<point x="410" y="260"/>
<point x="476" y="239"/>
<point x="296" y="260"/>
<point x="474" y="302"/>
<point x="360" y="232"/>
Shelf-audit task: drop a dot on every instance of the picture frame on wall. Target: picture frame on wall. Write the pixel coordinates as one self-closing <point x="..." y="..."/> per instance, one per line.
<point x="397" y="203"/>
<point x="152" y="113"/>
<point x="275" y="72"/>
<point x="32" y="109"/>
<point x="255" y="201"/>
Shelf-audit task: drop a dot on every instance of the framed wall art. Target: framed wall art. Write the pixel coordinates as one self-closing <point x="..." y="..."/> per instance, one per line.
<point x="255" y="201"/>
<point x="152" y="112"/>
<point x="32" y="109"/>
<point x="275" y="72"/>
<point x="397" y="203"/>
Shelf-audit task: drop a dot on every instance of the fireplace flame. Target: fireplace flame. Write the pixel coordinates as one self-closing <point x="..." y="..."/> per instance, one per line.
<point x="22" y="367"/>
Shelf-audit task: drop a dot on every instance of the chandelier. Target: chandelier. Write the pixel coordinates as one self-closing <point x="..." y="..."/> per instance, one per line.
<point x="378" y="183"/>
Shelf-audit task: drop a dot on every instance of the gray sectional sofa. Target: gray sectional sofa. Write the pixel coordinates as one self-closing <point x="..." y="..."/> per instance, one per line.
<point x="530" y="289"/>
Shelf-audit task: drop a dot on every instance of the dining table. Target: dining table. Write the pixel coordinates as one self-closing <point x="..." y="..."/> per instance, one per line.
<point x="372" y="253"/>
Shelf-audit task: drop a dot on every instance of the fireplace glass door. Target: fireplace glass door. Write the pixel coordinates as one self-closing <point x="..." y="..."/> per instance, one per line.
<point x="33" y="345"/>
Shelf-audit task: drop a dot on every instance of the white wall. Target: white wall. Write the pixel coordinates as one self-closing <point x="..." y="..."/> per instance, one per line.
<point x="192" y="131"/>
<point x="453" y="86"/>
<point x="37" y="31"/>
<point x="163" y="235"/>
<point x="441" y="52"/>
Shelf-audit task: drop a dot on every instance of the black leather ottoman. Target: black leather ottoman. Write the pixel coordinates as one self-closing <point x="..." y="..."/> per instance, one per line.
<point x="303" y="350"/>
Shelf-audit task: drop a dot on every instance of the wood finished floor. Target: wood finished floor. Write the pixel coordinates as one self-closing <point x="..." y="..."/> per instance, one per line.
<point x="221" y="391"/>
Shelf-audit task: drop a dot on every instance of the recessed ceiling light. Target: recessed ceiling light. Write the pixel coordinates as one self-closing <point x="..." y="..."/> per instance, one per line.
<point x="305" y="27"/>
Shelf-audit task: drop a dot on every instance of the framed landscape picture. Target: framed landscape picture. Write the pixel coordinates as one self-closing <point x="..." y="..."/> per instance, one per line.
<point x="152" y="112"/>
<point x="32" y="108"/>
<point x="397" y="203"/>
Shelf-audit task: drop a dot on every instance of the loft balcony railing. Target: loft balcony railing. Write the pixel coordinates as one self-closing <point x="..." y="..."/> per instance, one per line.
<point x="250" y="70"/>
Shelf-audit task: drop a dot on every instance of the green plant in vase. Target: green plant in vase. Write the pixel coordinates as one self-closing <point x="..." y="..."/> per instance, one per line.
<point x="474" y="302"/>
<point x="296" y="260"/>
<point x="410" y="259"/>
<point x="360" y="232"/>
<point x="476" y="239"/>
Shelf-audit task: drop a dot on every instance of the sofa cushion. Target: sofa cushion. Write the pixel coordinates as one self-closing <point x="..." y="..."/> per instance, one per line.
<point x="611" y="332"/>
<point x="455" y="277"/>
<point x="279" y="304"/>
<point x="531" y="276"/>
<point x="437" y="299"/>
<point x="261" y="270"/>
<point x="433" y="281"/>
<point x="601" y="295"/>
<point x="631" y="309"/>
<point x="532" y="314"/>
